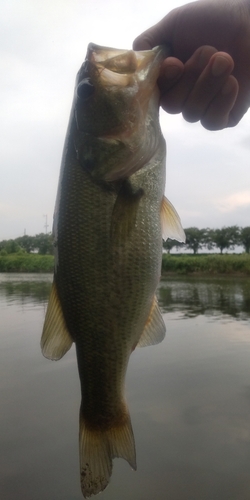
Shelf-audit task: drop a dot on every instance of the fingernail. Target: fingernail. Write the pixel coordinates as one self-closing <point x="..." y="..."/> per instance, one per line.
<point x="172" y="72"/>
<point x="219" y="66"/>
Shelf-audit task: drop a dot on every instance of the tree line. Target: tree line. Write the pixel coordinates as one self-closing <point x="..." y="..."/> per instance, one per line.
<point x="223" y="239"/>
<point x="196" y="239"/>
<point x="40" y="243"/>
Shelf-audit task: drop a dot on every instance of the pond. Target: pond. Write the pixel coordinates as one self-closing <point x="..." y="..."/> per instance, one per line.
<point x="189" y="398"/>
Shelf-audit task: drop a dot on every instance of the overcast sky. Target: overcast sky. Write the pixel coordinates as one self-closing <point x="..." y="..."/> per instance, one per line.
<point x="43" y="44"/>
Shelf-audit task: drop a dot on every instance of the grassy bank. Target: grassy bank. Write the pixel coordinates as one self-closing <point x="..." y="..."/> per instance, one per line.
<point x="26" y="263"/>
<point x="180" y="264"/>
<point x="206" y="264"/>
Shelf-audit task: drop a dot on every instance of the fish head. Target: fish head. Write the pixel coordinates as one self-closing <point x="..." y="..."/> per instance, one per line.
<point x="114" y="93"/>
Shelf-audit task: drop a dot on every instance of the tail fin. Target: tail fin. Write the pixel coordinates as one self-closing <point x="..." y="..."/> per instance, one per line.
<point x="97" y="448"/>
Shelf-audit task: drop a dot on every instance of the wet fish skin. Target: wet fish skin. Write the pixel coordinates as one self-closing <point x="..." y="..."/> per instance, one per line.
<point x="108" y="239"/>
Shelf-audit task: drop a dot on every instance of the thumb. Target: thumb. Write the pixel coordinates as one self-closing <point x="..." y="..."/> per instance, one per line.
<point x="159" y="34"/>
<point x="150" y="38"/>
<point x="144" y="42"/>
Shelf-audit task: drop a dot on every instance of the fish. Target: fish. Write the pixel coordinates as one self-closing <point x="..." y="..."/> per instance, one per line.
<point x="110" y="217"/>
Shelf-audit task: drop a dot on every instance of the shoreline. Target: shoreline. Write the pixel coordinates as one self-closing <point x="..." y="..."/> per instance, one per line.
<point x="204" y="274"/>
<point x="210" y="265"/>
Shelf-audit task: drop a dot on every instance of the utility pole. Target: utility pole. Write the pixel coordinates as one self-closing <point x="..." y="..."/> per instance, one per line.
<point x="46" y="225"/>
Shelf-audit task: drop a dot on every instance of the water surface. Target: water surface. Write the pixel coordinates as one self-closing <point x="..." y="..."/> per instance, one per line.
<point x="189" y="399"/>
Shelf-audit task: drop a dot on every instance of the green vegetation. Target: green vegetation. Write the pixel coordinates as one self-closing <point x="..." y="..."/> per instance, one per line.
<point x="180" y="264"/>
<point x="206" y="264"/>
<point x="40" y="243"/>
<point x="16" y="255"/>
<point x="34" y="253"/>
<point x="26" y="263"/>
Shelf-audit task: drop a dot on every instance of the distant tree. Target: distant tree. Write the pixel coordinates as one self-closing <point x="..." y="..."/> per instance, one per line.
<point x="11" y="246"/>
<point x="244" y="238"/>
<point x="227" y="237"/>
<point x="170" y="244"/>
<point x="3" y="244"/>
<point x="208" y="238"/>
<point x="44" y="243"/>
<point x="26" y="242"/>
<point x="195" y="238"/>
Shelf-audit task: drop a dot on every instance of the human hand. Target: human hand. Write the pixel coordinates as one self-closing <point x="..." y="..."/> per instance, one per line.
<point x="203" y="82"/>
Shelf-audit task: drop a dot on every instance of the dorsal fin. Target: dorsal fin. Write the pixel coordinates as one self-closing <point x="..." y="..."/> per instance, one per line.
<point x="154" y="331"/>
<point x="56" y="340"/>
<point x="171" y="222"/>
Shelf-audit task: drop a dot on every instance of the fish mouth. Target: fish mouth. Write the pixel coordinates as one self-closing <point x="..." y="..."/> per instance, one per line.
<point x="113" y="90"/>
<point x="116" y="67"/>
<point x="125" y="61"/>
<point x="116" y="111"/>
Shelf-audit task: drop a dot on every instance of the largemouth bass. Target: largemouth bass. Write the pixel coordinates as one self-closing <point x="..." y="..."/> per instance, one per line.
<point x="109" y="220"/>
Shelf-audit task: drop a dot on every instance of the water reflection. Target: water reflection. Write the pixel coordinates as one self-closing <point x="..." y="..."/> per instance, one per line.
<point x="25" y="288"/>
<point x="190" y="296"/>
<point x="189" y="399"/>
<point x="210" y="297"/>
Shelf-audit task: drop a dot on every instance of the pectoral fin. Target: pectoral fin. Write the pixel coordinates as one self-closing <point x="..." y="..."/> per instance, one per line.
<point x="154" y="331"/>
<point x="124" y="212"/>
<point x="171" y="222"/>
<point x="56" y="340"/>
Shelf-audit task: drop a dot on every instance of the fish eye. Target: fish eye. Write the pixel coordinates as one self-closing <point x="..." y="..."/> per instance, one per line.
<point x="85" y="89"/>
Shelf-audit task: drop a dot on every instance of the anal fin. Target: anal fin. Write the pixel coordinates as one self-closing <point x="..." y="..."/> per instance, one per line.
<point x="56" y="340"/>
<point x="154" y="331"/>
